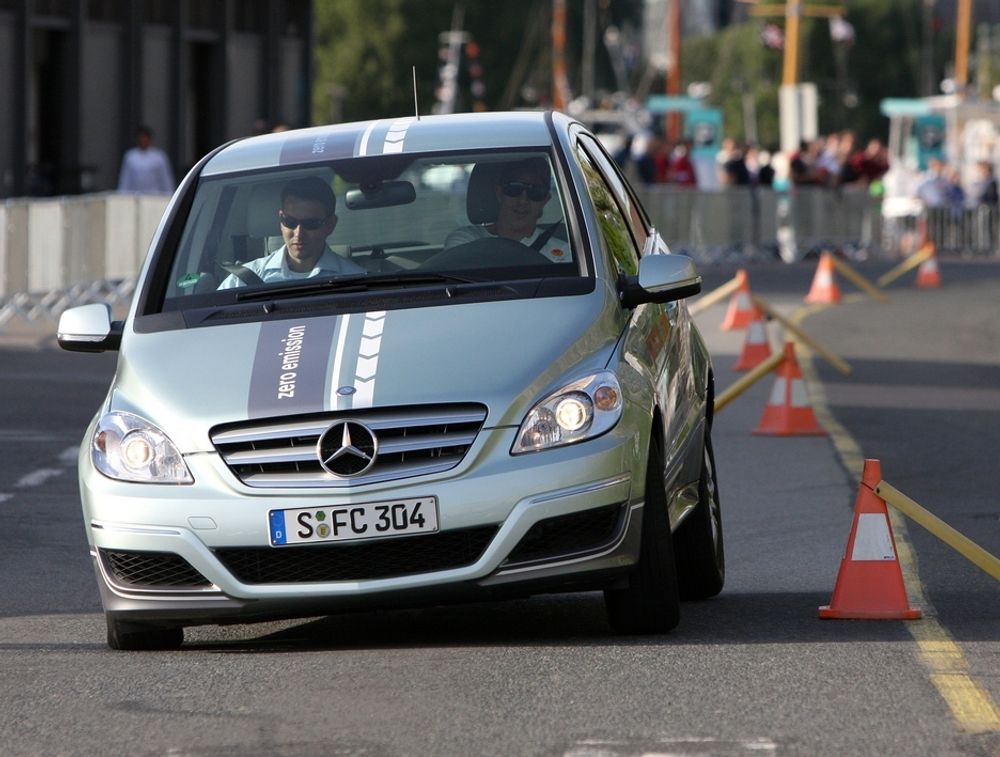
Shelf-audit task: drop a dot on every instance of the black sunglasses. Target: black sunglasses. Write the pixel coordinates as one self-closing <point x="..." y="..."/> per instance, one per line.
<point x="536" y="192"/>
<point x="309" y="224"/>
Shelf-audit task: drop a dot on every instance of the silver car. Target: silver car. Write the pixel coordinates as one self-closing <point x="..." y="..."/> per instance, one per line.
<point x="401" y="362"/>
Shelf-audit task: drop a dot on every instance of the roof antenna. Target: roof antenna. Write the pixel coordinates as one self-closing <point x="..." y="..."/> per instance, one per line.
<point x="416" y="108"/>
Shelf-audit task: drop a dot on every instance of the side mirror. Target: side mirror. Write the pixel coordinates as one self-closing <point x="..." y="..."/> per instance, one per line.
<point x="662" y="278"/>
<point x="89" y="328"/>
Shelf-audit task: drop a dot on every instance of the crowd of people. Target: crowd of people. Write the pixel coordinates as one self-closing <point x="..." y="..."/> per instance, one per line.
<point x="831" y="160"/>
<point x="941" y="186"/>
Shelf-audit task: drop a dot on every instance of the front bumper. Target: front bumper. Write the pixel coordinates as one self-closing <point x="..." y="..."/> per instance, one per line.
<point x="521" y="507"/>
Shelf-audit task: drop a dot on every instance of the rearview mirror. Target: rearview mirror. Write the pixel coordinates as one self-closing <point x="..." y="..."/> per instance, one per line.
<point x="381" y="194"/>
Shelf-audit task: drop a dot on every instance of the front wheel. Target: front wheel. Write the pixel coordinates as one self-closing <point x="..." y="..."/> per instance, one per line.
<point x="650" y="603"/>
<point x="701" y="559"/>
<point x="126" y="636"/>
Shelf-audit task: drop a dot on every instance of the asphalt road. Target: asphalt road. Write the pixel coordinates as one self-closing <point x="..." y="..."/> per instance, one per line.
<point x="752" y="671"/>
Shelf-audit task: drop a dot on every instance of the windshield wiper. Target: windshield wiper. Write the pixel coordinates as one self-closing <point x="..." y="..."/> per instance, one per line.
<point x="362" y="283"/>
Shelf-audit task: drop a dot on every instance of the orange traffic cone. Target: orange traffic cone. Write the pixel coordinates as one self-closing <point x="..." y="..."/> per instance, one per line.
<point x="928" y="274"/>
<point x="741" y="308"/>
<point x="824" y="287"/>
<point x="756" y="348"/>
<point x="870" y="582"/>
<point x="788" y="412"/>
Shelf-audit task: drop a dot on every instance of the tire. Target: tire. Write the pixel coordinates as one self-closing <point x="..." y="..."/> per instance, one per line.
<point x="650" y="603"/>
<point x="698" y="542"/>
<point x="139" y="637"/>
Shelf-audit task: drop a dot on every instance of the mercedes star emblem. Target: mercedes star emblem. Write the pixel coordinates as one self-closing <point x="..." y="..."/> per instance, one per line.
<point x="347" y="448"/>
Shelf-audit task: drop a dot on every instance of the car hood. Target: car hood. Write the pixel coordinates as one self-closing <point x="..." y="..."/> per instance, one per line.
<point x="505" y="355"/>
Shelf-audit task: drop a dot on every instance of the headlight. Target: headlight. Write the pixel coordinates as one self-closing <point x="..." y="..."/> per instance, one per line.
<point x="580" y="410"/>
<point x="127" y="448"/>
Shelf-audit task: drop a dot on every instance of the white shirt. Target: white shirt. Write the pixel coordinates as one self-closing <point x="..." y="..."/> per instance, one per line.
<point x="556" y="250"/>
<point x="274" y="267"/>
<point x="145" y="171"/>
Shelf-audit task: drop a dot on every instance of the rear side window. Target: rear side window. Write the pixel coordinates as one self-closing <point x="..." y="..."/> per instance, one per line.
<point x="628" y="204"/>
<point x="615" y="234"/>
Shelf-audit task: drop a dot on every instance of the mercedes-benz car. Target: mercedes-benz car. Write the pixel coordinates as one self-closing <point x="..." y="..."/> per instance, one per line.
<point x="399" y="363"/>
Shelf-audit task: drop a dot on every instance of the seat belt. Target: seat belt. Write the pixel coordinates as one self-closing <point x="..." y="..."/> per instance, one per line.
<point x="542" y="238"/>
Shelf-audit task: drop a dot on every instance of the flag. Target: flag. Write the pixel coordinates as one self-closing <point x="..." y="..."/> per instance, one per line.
<point x="841" y="30"/>
<point x="772" y="36"/>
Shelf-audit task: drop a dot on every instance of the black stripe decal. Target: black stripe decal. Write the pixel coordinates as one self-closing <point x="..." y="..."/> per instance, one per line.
<point x="290" y="367"/>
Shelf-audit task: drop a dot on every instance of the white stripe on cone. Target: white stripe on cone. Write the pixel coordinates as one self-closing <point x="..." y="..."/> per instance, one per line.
<point x="873" y="540"/>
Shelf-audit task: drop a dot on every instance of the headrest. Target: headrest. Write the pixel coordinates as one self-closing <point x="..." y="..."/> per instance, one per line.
<point x="481" y="201"/>
<point x="262" y="210"/>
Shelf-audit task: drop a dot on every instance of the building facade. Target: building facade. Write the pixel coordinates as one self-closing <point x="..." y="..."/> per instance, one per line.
<point x="79" y="76"/>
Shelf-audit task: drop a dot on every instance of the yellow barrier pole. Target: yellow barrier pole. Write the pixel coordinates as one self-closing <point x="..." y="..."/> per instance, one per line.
<point x="720" y="293"/>
<point x="907" y="265"/>
<point x="964" y="546"/>
<point x="745" y="382"/>
<point x="859" y="280"/>
<point x="838" y="363"/>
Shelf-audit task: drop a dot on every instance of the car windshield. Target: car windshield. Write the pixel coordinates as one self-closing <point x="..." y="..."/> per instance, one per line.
<point x="379" y="221"/>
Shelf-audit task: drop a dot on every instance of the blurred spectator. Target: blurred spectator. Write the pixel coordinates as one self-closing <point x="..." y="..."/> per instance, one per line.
<point x="644" y="150"/>
<point x="954" y="193"/>
<point x="145" y="168"/>
<point x="680" y="171"/>
<point x="828" y="161"/>
<point x="984" y="188"/>
<point x="765" y="172"/>
<point x="934" y="187"/>
<point x="802" y="166"/>
<point x="734" y="170"/>
<point x="872" y="163"/>
<point x="847" y="174"/>
<point x="661" y="159"/>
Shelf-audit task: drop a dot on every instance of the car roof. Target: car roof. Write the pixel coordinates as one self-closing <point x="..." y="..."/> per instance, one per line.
<point x="462" y="131"/>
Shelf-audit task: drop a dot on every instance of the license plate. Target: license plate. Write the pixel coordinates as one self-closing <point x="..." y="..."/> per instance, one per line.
<point x="313" y="525"/>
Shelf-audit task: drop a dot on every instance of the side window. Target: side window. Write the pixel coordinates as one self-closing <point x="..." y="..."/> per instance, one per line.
<point x="612" y="224"/>
<point x="625" y="199"/>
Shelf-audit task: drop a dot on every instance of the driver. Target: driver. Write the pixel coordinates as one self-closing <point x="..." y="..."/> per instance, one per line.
<point x="522" y="189"/>
<point x="307" y="217"/>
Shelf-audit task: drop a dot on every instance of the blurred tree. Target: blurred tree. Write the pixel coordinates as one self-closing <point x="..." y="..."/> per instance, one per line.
<point x="365" y="50"/>
<point x="884" y="61"/>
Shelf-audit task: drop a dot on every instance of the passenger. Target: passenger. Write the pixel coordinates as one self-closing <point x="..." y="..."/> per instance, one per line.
<point x="307" y="217"/>
<point x="522" y="189"/>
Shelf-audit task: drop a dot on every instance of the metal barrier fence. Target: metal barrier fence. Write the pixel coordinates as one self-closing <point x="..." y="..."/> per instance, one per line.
<point x="55" y="253"/>
<point x="742" y="224"/>
<point x="954" y="231"/>
<point x="739" y="224"/>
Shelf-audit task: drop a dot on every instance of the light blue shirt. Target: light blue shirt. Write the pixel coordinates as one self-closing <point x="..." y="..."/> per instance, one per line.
<point x="274" y="267"/>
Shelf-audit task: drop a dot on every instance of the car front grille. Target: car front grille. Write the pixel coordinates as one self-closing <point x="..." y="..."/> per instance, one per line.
<point x="154" y="570"/>
<point x="358" y="561"/>
<point x="566" y="535"/>
<point x="282" y="452"/>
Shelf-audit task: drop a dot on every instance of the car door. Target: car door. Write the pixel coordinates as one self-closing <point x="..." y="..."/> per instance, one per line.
<point x="663" y="330"/>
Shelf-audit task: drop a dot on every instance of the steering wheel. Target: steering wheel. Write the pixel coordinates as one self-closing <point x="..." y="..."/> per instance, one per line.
<point x="489" y="252"/>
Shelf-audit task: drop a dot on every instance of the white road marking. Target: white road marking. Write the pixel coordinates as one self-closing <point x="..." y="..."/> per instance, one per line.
<point x="37" y="477"/>
<point x="5" y="497"/>
<point x="69" y="455"/>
